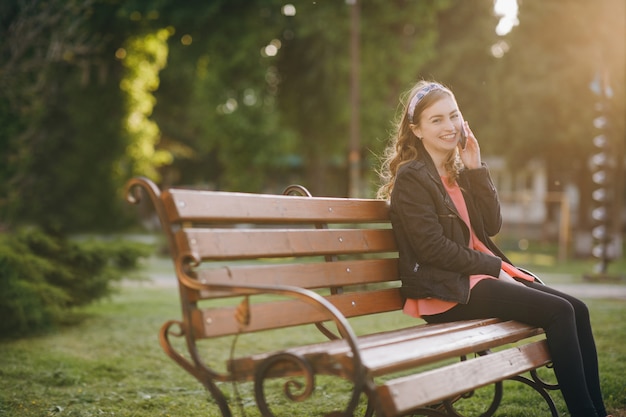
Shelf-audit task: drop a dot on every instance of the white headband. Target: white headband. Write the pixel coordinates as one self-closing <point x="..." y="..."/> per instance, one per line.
<point x="421" y="93"/>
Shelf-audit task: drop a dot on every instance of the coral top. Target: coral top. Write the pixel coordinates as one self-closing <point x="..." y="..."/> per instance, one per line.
<point x="430" y="306"/>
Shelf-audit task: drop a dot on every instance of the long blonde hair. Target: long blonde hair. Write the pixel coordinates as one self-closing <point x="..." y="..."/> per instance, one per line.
<point x="403" y="144"/>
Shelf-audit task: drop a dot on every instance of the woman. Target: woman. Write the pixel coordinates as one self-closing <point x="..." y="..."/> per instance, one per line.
<point x="444" y="208"/>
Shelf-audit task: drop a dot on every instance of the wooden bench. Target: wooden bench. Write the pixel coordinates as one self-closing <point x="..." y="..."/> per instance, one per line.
<point x="255" y="263"/>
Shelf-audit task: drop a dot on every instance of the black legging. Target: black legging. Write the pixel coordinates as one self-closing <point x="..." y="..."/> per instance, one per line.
<point x="565" y="320"/>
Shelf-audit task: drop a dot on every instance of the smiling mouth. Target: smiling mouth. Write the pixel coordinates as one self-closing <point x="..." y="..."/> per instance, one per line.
<point x="449" y="137"/>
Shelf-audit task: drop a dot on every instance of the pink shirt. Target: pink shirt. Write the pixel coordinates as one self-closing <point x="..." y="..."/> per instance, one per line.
<point x="430" y="306"/>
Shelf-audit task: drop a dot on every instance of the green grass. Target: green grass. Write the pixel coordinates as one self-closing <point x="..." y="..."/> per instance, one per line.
<point x="544" y="257"/>
<point x="109" y="363"/>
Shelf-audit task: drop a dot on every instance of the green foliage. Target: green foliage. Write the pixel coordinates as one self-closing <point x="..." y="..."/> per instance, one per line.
<point x="236" y="94"/>
<point x="142" y="57"/>
<point x="463" y="62"/>
<point x="549" y="107"/>
<point x="396" y="45"/>
<point x="256" y="121"/>
<point x="532" y="100"/>
<point x="43" y="276"/>
<point x="527" y="94"/>
<point x="223" y="111"/>
<point x="60" y="100"/>
<point x="218" y="116"/>
<point x="548" y="72"/>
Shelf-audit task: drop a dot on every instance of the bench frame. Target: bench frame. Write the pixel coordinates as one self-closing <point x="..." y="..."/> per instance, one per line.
<point x="358" y="359"/>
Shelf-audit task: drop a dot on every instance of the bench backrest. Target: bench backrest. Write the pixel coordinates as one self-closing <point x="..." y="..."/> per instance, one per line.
<point x="342" y="247"/>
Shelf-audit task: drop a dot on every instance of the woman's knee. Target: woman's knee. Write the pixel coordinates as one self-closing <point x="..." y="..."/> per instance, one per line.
<point x="562" y="310"/>
<point x="566" y="306"/>
<point x="581" y="311"/>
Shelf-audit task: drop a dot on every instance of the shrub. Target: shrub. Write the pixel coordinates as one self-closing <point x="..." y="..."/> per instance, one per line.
<point x="42" y="277"/>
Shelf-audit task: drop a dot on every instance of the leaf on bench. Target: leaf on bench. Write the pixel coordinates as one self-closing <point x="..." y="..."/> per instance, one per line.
<point x="242" y="313"/>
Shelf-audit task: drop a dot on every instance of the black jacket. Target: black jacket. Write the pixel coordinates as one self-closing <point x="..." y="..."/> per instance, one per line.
<point x="435" y="260"/>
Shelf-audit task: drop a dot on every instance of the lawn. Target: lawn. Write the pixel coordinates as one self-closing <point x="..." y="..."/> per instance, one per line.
<point x="107" y="362"/>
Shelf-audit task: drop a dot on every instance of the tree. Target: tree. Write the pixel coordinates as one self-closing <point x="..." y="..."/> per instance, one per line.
<point x="252" y="93"/>
<point x="217" y="96"/>
<point x="277" y="106"/>
<point x="64" y="139"/>
<point x="397" y="38"/>
<point x="546" y="101"/>
<point x="62" y="114"/>
<point x="464" y="62"/>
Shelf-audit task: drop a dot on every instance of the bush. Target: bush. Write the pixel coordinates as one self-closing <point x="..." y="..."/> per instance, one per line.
<point x="42" y="277"/>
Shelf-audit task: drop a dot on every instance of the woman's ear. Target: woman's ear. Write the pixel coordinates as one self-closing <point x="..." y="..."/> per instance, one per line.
<point x="416" y="131"/>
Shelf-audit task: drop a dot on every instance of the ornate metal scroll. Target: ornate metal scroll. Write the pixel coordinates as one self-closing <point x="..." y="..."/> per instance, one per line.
<point x="293" y="389"/>
<point x="134" y="196"/>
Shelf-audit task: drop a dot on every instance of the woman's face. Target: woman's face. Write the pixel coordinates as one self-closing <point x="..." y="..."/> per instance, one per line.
<point x="439" y="126"/>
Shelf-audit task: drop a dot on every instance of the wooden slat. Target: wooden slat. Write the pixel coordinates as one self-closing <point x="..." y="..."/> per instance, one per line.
<point x="400" y="396"/>
<point x="305" y="275"/>
<point x="416" y="352"/>
<point x="199" y="206"/>
<point x="219" y="244"/>
<point x="370" y="341"/>
<point x="406" y="348"/>
<point x="278" y="314"/>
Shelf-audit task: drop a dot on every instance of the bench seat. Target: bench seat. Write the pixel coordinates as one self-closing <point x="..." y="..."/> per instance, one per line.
<point x="393" y="351"/>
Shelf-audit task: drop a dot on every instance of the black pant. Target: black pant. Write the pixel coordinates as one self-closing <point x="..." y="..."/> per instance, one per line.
<point x="565" y="320"/>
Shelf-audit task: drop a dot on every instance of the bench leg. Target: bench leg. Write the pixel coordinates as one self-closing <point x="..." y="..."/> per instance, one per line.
<point x="493" y="407"/>
<point x="203" y="375"/>
<point x="540" y="387"/>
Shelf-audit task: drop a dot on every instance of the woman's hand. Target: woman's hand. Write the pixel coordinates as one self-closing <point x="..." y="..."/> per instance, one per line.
<point x="471" y="154"/>
<point x="507" y="278"/>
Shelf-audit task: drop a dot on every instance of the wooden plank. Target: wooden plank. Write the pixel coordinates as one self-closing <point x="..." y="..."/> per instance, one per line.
<point x="415" y="352"/>
<point x="279" y="314"/>
<point x="370" y="341"/>
<point x="199" y="206"/>
<point x="405" y="348"/>
<point x="221" y="244"/>
<point x="305" y="275"/>
<point x="400" y="396"/>
<point x="376" y="340"/>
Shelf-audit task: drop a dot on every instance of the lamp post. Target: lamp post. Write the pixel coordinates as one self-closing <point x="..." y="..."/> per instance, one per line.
<point x="603" y="172"/>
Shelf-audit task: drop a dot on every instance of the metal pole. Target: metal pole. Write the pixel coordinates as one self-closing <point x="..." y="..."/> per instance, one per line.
<point x="354" y="155"/>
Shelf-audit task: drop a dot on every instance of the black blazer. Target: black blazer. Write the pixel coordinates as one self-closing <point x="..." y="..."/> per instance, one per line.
<point x="435" y="260"/>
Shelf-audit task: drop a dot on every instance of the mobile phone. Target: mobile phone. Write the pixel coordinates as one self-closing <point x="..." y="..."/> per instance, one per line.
<point x="463" y="140"/>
